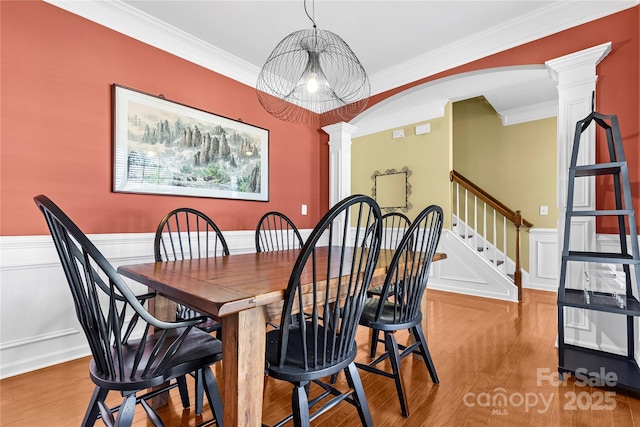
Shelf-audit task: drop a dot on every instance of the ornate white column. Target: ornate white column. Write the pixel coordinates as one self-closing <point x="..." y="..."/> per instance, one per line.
<point x="339" y="161"/>
<point x="575" y="75"/>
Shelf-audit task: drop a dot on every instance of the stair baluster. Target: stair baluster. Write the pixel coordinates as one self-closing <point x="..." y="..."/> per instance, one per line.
<point x="491" y="251"/>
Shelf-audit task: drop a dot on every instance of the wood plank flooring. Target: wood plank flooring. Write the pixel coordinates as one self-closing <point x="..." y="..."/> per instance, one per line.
<point x="496" y="362"/>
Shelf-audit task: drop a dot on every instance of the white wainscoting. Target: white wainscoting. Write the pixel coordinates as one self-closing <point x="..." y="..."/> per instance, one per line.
<point x="465" y="272"/>
<point x="38" y="326"/>
<point x="544" y="265"/>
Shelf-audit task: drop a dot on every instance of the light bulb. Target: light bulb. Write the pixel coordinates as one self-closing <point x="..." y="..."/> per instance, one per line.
<point x="312" y="83"/>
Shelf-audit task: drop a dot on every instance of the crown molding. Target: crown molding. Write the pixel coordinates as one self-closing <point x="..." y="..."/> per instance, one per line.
<point x="125" y="19"/>
<point x="556" y="17"/>
<point x="543" y="110"/>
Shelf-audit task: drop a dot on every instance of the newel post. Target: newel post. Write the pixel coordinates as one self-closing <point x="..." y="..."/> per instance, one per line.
<point x="517" y="274"/>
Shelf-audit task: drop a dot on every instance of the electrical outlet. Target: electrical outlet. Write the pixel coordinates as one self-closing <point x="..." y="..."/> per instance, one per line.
<point x="544" y="210"/>
<point x="304" y="209"/>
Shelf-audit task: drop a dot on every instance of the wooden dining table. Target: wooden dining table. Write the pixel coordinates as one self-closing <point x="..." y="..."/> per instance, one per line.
<point x="243" y="292"/>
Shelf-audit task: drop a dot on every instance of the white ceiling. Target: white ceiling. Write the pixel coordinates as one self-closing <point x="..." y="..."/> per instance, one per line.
<point x="397" y="41"/>
<point x="381" y="33"/>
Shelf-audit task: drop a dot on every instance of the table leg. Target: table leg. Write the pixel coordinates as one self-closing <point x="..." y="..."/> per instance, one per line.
<point x="162" y="308"/>
<point x="243" y="349"/>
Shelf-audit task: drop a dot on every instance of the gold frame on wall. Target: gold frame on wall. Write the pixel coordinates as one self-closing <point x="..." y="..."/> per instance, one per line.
<point x="391" y="189"/>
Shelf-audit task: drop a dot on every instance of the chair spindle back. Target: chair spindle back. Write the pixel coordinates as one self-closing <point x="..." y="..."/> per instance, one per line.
<point x="328" y="285"/>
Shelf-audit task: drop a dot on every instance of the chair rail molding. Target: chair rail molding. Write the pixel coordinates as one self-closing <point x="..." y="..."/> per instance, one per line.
<point x="35" y="294"/>
<point x="33" y="284"/>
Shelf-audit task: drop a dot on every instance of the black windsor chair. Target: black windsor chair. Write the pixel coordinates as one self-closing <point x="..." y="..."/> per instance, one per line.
<point x="316" y="336"/>
<point x="163" y="352"/>
<point x="187" y="233"/>
<point x="276" y="232"/>
<point x="394" y="227"/>
<point x="398" y="305"/>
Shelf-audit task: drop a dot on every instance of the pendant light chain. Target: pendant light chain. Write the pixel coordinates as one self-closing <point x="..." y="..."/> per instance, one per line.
<point x="313" y="12"/>
<point x="313" y="20"/>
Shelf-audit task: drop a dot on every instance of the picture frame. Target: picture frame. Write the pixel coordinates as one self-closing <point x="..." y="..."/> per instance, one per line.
<point x="391" y="189"/>
<point x="167" y="148"/>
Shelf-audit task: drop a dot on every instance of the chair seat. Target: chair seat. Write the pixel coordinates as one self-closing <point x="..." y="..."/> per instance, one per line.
<point x="109" y="313"/>
<point x="321" y="310"/>
<point x="386" y="321"/>
<point x="377" y="291"/>
<point x="293" y="367"/>
<point x="398" y="305"/>
<point x="198" y="349"/>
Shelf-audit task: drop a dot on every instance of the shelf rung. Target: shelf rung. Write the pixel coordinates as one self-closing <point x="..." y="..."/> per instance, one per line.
<point x="626" y="369"/>
<point x="613" y="212"/>
<point x="599" y="169"/>
<point x="599" y="301"/>
<point x="604" y="257"/>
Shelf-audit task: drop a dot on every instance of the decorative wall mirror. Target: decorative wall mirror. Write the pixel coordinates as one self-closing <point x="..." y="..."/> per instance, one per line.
<point x="391" y="189"/>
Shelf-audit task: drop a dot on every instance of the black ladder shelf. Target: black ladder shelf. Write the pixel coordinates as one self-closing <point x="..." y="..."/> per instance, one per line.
<point x="603" y="288"/>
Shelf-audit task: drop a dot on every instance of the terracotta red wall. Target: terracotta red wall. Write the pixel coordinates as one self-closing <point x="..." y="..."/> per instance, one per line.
<point x="57" y="70"/>
<point x="618" y="86"/>
<point x="55" y="118"/>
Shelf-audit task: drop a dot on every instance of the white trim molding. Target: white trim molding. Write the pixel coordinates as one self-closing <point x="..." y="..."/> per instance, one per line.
<point x="36" y="297"/>
<point x="37" y="318"/>
<point x="543" y="261"/>
<point x="543" y="110"/>
<point x="465" y="272"/>
<point x="126" y="19"/>
<point x="557" y="16"/>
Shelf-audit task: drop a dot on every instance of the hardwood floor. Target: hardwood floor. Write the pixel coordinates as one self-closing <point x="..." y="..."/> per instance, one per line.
<point x="483" y="350"/>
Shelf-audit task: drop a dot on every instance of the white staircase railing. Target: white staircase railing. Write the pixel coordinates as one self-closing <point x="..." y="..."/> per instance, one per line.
<point x="474" y="208"/>
<point x="478" y="240"/>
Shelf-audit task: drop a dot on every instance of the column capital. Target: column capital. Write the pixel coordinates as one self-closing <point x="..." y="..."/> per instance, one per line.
<point x="577" y="67"/>
<point x="339" y="160"/>
<point x="340" y="135"/>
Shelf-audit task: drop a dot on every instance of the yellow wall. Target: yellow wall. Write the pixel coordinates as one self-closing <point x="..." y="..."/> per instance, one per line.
<point x="516" y="164"/>
<point x="428" y="156"/>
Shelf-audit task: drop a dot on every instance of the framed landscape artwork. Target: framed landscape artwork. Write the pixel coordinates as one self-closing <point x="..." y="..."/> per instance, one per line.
<point x="163" y="147"/>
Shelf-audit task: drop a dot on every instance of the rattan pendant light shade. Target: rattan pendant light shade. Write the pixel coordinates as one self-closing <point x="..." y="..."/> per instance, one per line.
<point x="313" y="76"/>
